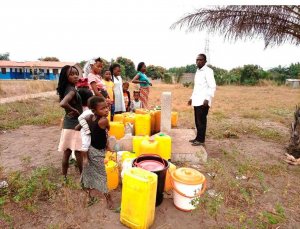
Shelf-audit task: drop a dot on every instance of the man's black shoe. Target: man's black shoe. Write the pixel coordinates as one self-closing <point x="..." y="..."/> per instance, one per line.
<point x="197" y="143"/>
<point x="193" y="140"/>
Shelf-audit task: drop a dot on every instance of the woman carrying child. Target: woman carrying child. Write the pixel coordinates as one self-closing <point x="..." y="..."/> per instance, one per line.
<point x="70" y="100"/>
<point x="144" y="82"/>
<point x="94" y="175"/>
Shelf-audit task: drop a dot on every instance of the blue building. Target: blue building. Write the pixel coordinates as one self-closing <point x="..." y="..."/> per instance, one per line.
<point x="48" y="70"/>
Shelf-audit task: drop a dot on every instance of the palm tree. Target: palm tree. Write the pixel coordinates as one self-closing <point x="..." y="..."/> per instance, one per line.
<point x="274" y="24"/>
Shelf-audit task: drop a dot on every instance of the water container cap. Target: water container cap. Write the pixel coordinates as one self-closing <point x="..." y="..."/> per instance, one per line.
<point x="151" y="165"/>
<point x="188" y="176"/>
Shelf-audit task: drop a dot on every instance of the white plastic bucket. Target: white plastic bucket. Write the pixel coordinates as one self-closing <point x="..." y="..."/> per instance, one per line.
<point x="184" y="194"/>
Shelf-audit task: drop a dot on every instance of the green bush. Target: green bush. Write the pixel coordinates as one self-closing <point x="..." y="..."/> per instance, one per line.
<point x="129" y="67"/>
<point x="250" y="74"/>
<point x="156" y="72"/>
<point x="167" y="78"/>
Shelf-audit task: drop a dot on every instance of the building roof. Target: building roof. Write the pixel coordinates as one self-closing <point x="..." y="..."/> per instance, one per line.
<point x="40" y="64"/>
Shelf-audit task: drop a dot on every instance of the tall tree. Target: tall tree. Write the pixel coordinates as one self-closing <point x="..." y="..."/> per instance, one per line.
<point x="128" y="65"/>
<point x="4" y="56"/>
<point x="274" y="24"/>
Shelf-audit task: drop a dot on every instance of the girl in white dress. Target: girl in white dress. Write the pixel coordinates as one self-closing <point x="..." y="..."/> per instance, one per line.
<point x="118" y="89"/>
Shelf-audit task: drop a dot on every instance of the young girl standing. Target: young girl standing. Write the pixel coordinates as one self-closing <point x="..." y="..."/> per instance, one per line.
<point x="110" y="90"/>
<point x="70" y="100"/>
<point x="115" y="70"/>
<point x="94" y="175"/>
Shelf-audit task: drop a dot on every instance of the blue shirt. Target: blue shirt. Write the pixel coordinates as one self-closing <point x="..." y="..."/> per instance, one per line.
<point x="143" y="77"/>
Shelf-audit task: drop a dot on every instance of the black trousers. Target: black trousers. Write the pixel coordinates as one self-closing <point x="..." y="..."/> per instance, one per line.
<point x="200" y="113"/>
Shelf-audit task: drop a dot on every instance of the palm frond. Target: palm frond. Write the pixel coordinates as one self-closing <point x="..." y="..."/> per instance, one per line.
<point x="274" y="24"/>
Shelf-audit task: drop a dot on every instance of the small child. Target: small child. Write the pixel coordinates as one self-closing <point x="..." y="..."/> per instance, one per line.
<point x="110" y="90"/>
<point x="85" y="132"/>
<point x="94" y="175"/>
<point x="126" y="95"/>
<point x="136" y="103"/>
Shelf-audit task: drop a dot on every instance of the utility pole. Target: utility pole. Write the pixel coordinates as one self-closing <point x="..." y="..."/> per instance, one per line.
<point x="206" y="49"/>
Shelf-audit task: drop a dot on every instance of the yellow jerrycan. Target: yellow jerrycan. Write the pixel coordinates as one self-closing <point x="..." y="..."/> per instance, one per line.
<point x="152" y="115"/>
<point x="149" y="146"/>
<point x="174" y="119"/>
<point x="168" y="182"/>
<point x="142" y="125"/>
<point x="157" y="121"/>
<point x="136" y="144"/>
<point x="117" y="129"/>
<point x="112" y="173"/>
<point x="164" y="145"/>
<point x="138" y="198"/>
<point x="127" y="155"/>
<point x="141" y="111"/>
<point x="118" y="118"/>
<point x="129" y="118"/>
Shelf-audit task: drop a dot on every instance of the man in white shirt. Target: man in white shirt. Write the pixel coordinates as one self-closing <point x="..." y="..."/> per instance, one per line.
<point x="204" y="90"/>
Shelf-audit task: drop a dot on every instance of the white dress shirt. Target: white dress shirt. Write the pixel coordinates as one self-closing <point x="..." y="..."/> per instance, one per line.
<point x="204" y="86"/>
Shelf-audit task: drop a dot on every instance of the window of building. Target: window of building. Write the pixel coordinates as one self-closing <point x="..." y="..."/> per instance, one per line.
<point x="16" y="70"/>
<point x="3" y="70"/>
<point x="48" y="72"/>
<point x="55" y="71"/>
<point x="21" y="70"/>
<point x="30" y="70"/>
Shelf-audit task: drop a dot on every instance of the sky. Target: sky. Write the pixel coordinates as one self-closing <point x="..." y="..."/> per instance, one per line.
<point x="137" y="29"/>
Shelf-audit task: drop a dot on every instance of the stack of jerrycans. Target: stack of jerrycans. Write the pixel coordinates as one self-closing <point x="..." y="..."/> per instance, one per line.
<point x="138" y="198"/>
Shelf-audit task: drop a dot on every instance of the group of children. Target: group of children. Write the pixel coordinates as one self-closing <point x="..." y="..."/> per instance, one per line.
<point x="88" y="112"/>
<point x="131" y="105"/>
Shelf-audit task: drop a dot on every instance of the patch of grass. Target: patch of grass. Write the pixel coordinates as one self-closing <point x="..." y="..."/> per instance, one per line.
<point x="272" y="218"/>
<point x="281" y="112"/>
<point x="39" y="111"/>
<point x="230" y="128"/>
<point x="218" y="115"/>
<point x="5" y="219"/>
<point x="27" y="190"/>
<point x="266" y="133"/>
<point x="235" y="197"/>
<point x="10" y="88"/>
<point x="251" y="115"/>
<point x="211" y="204"/>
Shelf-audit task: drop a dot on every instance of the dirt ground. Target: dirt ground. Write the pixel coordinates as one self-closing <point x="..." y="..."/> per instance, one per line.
<point x="36" y="151"/>
<point x="36" y="146"/>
